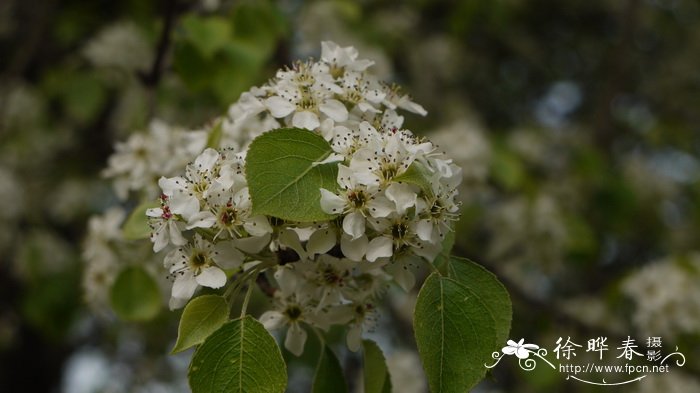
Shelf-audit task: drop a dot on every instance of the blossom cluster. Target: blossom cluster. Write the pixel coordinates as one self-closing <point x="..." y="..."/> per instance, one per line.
<point x="666" y="296"/>
<point x="393" y="205"/>
<point x="138" y="162"/>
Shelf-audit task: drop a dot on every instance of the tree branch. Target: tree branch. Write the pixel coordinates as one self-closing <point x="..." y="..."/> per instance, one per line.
<point x="152" y="79"/>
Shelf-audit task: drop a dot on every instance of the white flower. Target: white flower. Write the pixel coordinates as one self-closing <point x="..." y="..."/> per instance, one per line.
<point x="356" y="201"/>
<point x="338" y="58"/>
<point x="381" y="160"/>
<point x="187" y="193"/>
<point x="305" y="93"/>
<point x="200" y="263"/>
<point x="292" y="308"/>
<point x="394" y="99"/>
<point x="229" y="213"/>
<point x="399" y="234"/>
<point x="165" y="226"/>
<point x="162" y="151"/>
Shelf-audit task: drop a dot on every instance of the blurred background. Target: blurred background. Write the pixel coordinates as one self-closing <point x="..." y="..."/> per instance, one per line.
<point x="577" y="124"/>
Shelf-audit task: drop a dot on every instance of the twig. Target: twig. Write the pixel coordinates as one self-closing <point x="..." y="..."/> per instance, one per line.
<point x="152" y="79"/>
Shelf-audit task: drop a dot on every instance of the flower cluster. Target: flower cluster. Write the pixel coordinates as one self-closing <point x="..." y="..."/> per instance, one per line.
<point x="666" y="296"/>
<point x="393" y="205"/>
<point x="144" y="157"/>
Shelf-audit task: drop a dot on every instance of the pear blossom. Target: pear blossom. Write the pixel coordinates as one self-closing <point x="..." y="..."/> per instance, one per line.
<point x="199" y="264"/>
<point x="356" y="201"/>
<point x="166" y="227"/>
<point x="292" y="307"/>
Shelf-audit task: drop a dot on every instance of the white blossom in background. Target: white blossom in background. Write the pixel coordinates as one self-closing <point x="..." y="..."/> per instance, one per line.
<point x="529" y="229"/>
<point x="666" y="296"/>
<point x="465" y="142"/>
<point x="122" y="45"/>
<point x="101" y="260"/>
<point x="140" y="161"/>
<point x="675" y="382"/>
<point x="407" y="375"/>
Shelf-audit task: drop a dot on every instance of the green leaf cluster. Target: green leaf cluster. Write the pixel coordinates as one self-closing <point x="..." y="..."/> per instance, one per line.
<point x="222" y="55"/>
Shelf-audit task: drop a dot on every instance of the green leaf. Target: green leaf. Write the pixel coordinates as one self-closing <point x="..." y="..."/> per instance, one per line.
<point x="240" y="356"/>
<point x="329" y="375"/>
<point x="207" y="34"/>
<point x="214" y="138"/>
<point x="202" y="316"/>
<point x="282" y="177"/>
<point x="135" y="295"/>
<point x="136" y="226"/>
<point x="418" y="175"/>
<point x="84" y="96"/>
<point x="455" y="334"/>
<point x="507" y="168"/>
<point x="447" y="244"/>
<point x="493" y="294"/>
<point x="377" y="379"/>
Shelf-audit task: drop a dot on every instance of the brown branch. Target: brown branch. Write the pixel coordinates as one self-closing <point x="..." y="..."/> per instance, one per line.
<point x="152" y="79"/>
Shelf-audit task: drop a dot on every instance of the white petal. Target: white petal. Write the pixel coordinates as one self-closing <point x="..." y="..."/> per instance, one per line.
<point x="203" y="219"/>
<point x="424" y="230"/>
<point x="354" y="224"/>
<point x="380" y="206"/>
<point x="279" y="107"/>
<point x="160" y="238"/>
<point x="366" y="106"/>
<point x="295" y="340"/>
<point x="402" y="195"/>
<point x="354" y="249"/>
<point x="406" y="103"/>
<point x="176" y="303"/>
<point x="211" y="277"/>
<point x="175" y="234"/>
<point x="184" y="205"/>
<point x="257" y="226"/>
<point x="170" y="185"/>
<point x="375" y="96"/>
<point x="402" y="275"/>
<point x="272" y="319"/>
<point x="227" y="177"/>
<point x="171" y="258"/>
<point x="335" y="157"/>
<point x="335" y="110"/>
<point x="290" y="239"/>
<point x="305" y="119"/>
<point x="354" y="338"/>
<point x="427" y="250"/>
<point x="287" y="280"/>
<point x="331" y="203"/>
<point x="321" y="241"/>
<point x="155" y="212"/>
<point x="379" y="247"/>
<point x="253" y="244"/>
<point x="227" y="256"/>
<point x="250" y="104"/>
<point x="184" y="285"/>
<point x="346" y="177"/>
<point x="206" y="160"/>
